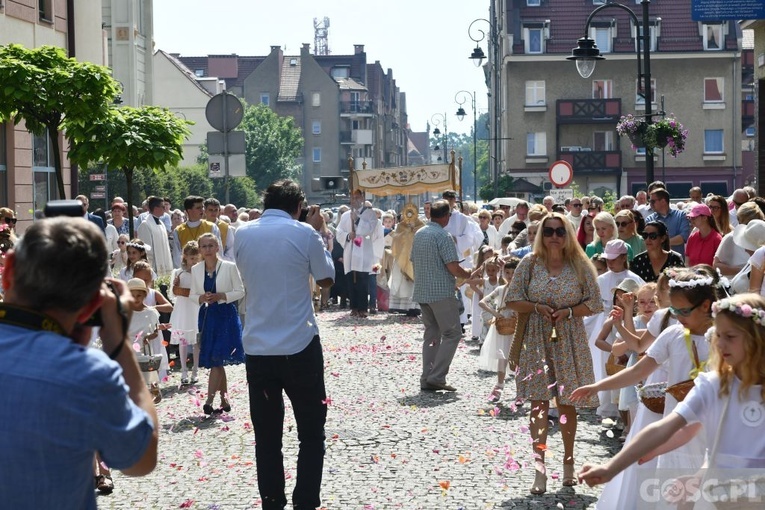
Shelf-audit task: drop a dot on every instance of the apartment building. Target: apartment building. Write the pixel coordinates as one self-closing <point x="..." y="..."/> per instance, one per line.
<point x="27" y="175"/>
<point x="550" y="113"/>
<point x="344" y="106"/>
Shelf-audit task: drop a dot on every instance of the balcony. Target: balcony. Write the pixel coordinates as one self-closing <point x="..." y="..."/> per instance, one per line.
<point x="747" y="111"/>
<point x="588" y="161"/>
<point x="588" y="111"/>
<point x="357" y="108"/>
<point x="356" y="137"/>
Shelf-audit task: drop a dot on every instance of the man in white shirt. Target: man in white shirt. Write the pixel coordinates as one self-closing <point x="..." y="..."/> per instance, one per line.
<point x="153" y="232"/>
<point x="521" y="214"/>
<point x="362" y="237"/>
<point x="281" y="339"/>
<point x="575" y="214"/>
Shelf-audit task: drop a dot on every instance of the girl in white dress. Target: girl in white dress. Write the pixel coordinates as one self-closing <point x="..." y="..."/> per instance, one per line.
<point x="692" y="292"/>
<point x="729" y="401"/>
<point x="144" y="327"/>
<point x="185" y="312"/>
<point x="142" y="270"/>
<point x="136" y="250"/>
<point x="119" y="257"/>
<point x="496" y="347"/>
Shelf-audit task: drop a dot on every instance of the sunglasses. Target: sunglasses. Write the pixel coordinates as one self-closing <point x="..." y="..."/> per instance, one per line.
<point x="11" y="221"/>
<point x="120" y="242"/>
<point x="714" y="207"/>
<point x="650" y="235"/>
<point x="549" y="231"/>
<point x="682" y="312"/>
<point x="623" y="223"/>
<point x="576" y="205"/>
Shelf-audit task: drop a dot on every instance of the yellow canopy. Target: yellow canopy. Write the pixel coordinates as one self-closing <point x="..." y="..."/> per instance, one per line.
<point x="405" y="180"/>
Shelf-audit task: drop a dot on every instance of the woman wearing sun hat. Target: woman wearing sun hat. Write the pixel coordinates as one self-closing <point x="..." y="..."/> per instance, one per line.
<point x="703" y="242"/>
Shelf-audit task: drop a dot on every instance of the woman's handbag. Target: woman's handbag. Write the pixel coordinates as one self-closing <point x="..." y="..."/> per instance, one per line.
<point x="739" y="284"/>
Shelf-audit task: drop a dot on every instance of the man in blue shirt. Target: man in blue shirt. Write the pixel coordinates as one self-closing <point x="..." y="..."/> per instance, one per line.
<point x="678" y="226"/>
<point x="436" y="264"/>
<point x="62" y="402"/>
<point x="276" y="256"/>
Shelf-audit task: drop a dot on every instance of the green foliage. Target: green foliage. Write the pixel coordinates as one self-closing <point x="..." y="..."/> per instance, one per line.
<point x="129" y="138"/>
<point x="272" y="146"/>
<point x="49" y="90"/>
<point x="505" y="186"/>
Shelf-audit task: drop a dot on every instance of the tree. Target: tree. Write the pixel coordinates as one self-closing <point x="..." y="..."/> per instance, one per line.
<point x="272" y="145"/>
<point x="52" y="91"/>
<point x="129" y="138"/>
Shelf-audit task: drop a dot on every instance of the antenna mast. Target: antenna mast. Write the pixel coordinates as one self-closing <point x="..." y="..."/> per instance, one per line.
<point x="320" y="38"/>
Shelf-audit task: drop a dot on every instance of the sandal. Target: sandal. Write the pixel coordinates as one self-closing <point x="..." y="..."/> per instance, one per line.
<point x="496" y="393"/>
<point x="540" y="483"/>
<point x="154" y="390"/>
<point x="569" y="476"/>
<point x="104" y="484"/>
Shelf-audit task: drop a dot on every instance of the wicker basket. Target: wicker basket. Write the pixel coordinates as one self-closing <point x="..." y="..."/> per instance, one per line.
<point x="505" y="325"/>
<point x="147" y="361"/>
<point x="652" y="396"/>
<point x="613" y="366"/>
<point x="680" y="390"/>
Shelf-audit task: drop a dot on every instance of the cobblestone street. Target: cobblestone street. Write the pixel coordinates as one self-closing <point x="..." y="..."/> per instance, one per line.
<point x="389" y="445"/>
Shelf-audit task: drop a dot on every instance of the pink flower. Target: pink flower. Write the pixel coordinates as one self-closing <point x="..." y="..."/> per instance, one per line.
<point x="357" y="241"/>
<point x="746" y="310"/>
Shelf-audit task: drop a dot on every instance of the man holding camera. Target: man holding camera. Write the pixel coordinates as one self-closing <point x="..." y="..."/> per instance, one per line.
<point x="62" y="402"/>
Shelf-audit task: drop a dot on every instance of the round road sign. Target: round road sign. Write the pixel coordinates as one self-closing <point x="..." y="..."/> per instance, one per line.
<point x="224" y="111"/>
<point x="561" y="173"/>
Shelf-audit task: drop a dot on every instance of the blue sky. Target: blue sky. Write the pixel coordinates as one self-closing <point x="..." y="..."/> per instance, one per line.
<point x="425" y="43"/>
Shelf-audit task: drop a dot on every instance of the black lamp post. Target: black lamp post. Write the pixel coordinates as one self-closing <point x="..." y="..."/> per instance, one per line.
<point x="461" y="115"/>
<point x="586" y="55"/>
<point x="477" y="35"/>
<point x="437" y="119"/>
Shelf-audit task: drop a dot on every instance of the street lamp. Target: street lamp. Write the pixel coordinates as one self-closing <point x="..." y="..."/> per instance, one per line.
<point x="461" y="115"/>
<point x="437" y="119"/>
<point x="586" y="55"/>
<point x="477" y="35"/>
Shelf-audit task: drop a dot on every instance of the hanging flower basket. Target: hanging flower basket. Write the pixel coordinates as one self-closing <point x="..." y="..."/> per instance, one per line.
<point x="666" y="132"/>
<point x="670" y="133"/>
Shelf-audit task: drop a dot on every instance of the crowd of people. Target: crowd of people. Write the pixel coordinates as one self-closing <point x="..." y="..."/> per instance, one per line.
<point x="579" y="305"/>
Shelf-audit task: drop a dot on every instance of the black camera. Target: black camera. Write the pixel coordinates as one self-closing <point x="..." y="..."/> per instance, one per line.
<point x="303" y="214"/>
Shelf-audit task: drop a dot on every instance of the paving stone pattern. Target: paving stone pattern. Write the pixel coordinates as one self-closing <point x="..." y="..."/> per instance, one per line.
<point x="389" y="445"/>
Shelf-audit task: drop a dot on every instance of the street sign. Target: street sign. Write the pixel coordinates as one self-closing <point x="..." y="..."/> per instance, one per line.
<point x="97" y="177"/>
<point x="95" y="195"/>
<point x="561" y="173"/>
<point x="236" y="165"/>
<point x="99" y="189"/>
<point x="717" y="10"/>
<point x="560" y="195"/>
<point x="224" y="111"/>
<point x="236" y="141"/>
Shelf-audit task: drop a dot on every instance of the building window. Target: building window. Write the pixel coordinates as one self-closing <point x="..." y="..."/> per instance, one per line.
<point x="316" y="127"/>
<point x="533" y="40"/>
<point x="340" y="72"/>
<point x="199" y="73"/>
<point x="713" y="141"/>
<point x="603" y="37"/>
<point x="316" y="99"/>
<point x="603" y="141"/>
<point x="536" y="144"/>
<point x="46" y="10"/>
<point x="713" y="90"/>
<point x="535" y="93"/>
<point x="533" y="3"/>
<point x="653" y="36"/>
<point x="713" y="37"/>
<point x="45" y="186"/>
<point x="265" y="98"/>
<point x="317" y="154"/>
<point x="639" y="93"/>
<point x="602" y="89"/>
